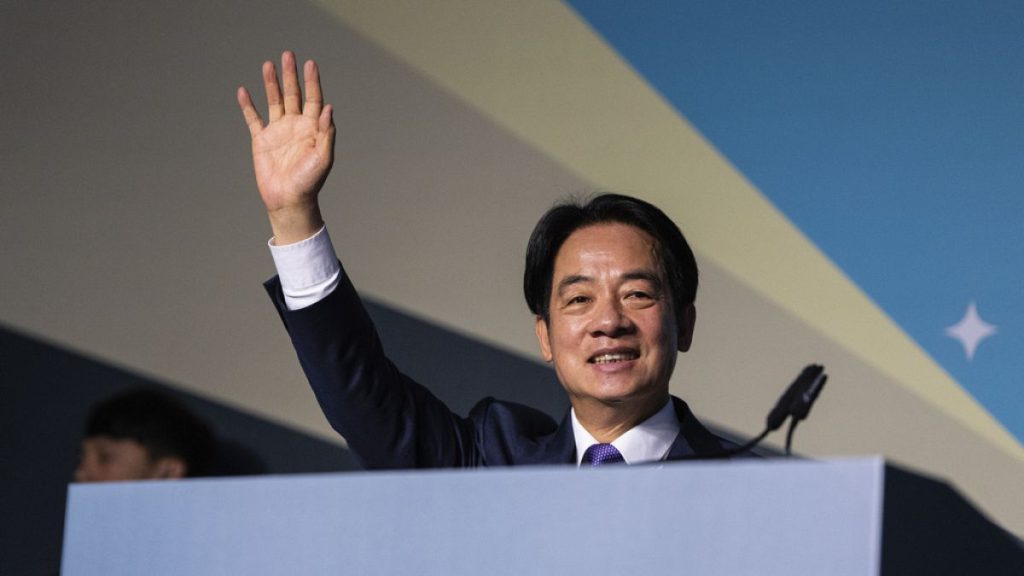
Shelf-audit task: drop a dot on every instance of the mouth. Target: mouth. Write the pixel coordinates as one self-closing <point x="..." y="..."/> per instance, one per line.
<point x="611" y="357"/>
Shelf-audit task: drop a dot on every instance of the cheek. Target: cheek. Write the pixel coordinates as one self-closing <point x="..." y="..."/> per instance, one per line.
<point x="568" y="340"/>
<point x="663" y="334"/>
<point x="565" y="350"/>
<point x="670" y="333"/>
<point x="561" y="329"/>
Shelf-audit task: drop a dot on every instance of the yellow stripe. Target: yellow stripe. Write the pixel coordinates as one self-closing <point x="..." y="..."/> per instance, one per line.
<point x="536" y="69"/>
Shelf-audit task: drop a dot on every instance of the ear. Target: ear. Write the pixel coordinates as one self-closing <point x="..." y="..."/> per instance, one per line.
<point x="170" y="468"/>
<point x="540" y="326"/>
<point x="687" y="320"/>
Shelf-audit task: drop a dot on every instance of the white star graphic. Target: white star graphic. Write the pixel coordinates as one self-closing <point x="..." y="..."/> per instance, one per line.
<point x="971" y="330"/>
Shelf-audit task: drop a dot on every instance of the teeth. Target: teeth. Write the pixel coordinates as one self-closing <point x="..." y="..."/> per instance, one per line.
<point x="606" y="358"/>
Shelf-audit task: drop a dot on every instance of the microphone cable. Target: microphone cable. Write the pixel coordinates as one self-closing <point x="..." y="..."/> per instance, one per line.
<point x="794" y="404"/>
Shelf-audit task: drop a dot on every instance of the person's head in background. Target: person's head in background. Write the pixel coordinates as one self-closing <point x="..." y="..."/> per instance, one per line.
<point x="143" y="435"/>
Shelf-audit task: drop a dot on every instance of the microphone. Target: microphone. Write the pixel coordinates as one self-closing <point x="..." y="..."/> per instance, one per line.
<point x="799" y="397"/>
<point x="795" y="403"/>
<point x="802" y="403"/>
<point x="805" y="388"/>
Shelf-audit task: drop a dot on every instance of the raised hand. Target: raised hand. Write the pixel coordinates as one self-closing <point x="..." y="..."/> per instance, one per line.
<point x="293" y="152"/>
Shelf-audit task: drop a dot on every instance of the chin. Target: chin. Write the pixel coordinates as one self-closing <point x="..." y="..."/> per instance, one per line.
<point x="620" y="394"/>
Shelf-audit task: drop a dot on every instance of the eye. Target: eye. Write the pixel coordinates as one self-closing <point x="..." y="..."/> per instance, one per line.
<point x="578" y="300"/>
<point x="640" y="298"/>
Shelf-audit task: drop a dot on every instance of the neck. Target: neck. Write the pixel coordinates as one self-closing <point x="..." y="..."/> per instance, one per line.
<point x="608" y="421"/>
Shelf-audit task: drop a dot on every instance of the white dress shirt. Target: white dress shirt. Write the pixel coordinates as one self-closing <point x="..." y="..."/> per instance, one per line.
<point x="648" y="441"/>
<point x="308" y="270"/>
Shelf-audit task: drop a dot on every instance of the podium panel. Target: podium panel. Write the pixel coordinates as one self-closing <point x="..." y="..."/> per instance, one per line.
<point x="744" y="517"/>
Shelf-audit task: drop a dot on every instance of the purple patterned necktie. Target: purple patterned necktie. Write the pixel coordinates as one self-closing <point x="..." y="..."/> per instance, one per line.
<point x="600" y="454"/>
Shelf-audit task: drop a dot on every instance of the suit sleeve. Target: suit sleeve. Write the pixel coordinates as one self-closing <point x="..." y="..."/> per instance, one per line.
<point x="388" y="420"/>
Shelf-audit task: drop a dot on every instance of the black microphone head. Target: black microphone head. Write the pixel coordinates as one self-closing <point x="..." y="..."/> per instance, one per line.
<point x="784" y="407"/>
<point x="802" y="402"/>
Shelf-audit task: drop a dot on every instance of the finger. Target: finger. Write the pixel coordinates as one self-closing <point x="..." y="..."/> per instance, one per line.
<point x="290" y="78"/>
<point x="274" y="106"/>
<point x="314" y="98"/>
<point x="252" y="117"/>
<point x="325" y="124"/>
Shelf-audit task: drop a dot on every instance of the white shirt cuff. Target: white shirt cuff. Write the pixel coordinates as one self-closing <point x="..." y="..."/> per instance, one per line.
<point x="308" y="269"/>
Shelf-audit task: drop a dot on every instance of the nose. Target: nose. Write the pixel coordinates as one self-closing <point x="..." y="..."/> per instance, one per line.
<point x="610" y="319"/>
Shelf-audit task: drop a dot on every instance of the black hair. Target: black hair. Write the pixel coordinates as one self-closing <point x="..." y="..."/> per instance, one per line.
<point x="161" y="424"/>
<point x="558" y="223"/>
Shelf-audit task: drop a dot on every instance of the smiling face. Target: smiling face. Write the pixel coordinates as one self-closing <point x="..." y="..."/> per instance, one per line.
<point x="612" y="331"/>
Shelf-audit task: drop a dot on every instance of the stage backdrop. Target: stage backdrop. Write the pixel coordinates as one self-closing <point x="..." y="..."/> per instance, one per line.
<point x="847" y="173"/>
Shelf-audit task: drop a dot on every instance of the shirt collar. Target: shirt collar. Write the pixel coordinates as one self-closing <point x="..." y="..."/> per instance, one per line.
<point x="648" y="441"/>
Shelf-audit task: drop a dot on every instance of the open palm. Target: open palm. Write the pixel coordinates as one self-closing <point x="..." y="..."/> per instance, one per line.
<point x="291" y="159"/>
<point x="293" y="152"/>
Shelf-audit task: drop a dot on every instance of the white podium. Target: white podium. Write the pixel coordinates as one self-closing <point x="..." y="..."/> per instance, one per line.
<point x="856" y="517"/>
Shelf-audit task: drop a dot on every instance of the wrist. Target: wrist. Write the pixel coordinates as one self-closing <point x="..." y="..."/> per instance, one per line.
<point x="295" y="223"/>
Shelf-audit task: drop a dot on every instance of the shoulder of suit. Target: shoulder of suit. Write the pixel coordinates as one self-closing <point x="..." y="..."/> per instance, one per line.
<point x="524" y="420"/>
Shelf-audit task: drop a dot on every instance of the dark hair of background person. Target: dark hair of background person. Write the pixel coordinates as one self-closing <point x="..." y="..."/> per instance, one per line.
<point x="159" y="423"/>
<point x="680" y="266"/>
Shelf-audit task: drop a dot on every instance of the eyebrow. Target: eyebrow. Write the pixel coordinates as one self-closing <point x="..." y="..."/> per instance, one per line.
<point x="572" y="280"/>
<point x="647" y="275"/>
<point x="640" y="274"/>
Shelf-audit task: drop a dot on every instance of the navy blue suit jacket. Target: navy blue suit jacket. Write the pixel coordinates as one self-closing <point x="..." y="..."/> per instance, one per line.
<point x="390" y="421"/>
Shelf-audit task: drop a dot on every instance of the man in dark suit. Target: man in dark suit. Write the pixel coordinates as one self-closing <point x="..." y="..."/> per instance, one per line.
<point x="611" y="283"/>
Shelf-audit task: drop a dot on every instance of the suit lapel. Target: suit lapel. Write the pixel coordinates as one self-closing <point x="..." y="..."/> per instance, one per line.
<point x="693" y="439"/>
<point x="560" y="447"/>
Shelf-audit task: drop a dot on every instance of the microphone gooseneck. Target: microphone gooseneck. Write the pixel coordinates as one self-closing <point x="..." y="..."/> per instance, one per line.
<point x="794" y="404"/>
